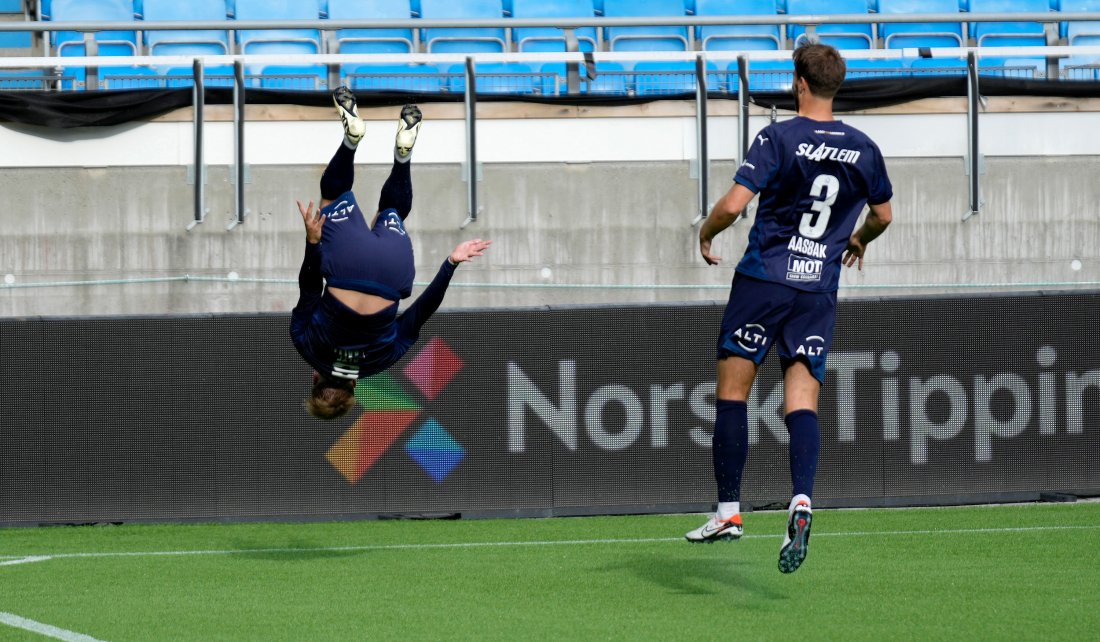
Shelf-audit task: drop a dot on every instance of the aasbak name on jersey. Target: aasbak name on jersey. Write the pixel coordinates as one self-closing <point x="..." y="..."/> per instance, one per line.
<point x="806" y="260"/>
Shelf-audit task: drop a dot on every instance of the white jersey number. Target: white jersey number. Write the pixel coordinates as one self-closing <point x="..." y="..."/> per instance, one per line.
<point x="824" y="192"/>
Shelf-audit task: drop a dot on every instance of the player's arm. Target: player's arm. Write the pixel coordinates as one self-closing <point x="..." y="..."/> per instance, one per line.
<point x="876" y="222"/>
<point x="310" y="283"/>
<point x="724" y="213"/>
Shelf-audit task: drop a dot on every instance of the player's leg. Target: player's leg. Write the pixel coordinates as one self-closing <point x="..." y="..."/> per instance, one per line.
<point x="745" y="338"/>
<point x="339" y="175"/>
<point x="803" y="349"/>
<point x="397" y="191"/>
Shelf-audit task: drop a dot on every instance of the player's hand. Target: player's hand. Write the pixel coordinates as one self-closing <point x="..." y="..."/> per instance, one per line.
<point x="704" y="249"/>
<point x="468" y="250"/>
<point x="854" y="253"/>
<point x="314" y="222"/>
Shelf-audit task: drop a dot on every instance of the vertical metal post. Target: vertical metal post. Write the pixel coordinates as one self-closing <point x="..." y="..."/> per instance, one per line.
<point x="743" y="99"/>
<point x="471" y="141"/>
<point x="198" y="100"/>
<point x="572" y="69"/>
<point x="238" y="142"/>
<point x="701" y="135"/>
<point x="974" y="161"/>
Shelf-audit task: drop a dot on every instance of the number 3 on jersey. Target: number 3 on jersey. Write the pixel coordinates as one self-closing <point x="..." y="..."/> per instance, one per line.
<point x="824" y="192"/>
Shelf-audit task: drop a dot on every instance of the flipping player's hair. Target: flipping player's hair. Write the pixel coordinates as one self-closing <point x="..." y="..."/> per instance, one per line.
<point x="822" y="66"/>
<point x="331" y="398"/>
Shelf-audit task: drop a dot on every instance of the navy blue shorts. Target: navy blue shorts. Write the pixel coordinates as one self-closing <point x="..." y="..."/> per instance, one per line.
<point x="760" y="313"/>
<point x="354" y="256"/>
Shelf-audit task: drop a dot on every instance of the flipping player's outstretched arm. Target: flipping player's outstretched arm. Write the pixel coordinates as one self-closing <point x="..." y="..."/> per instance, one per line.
<point x="310" y="283"/>
<point x="725" y="212"/>
<point x="876" y="223"/>
<point x="417" y="314"/>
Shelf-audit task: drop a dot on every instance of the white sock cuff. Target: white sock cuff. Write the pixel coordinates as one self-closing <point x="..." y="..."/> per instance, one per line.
<point x="727" y="510"/>
<point x="349" y="144"/>
<point x="796" y="500"/>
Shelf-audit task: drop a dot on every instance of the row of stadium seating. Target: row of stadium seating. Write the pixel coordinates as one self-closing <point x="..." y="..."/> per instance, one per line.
<point x="476" y="40"/>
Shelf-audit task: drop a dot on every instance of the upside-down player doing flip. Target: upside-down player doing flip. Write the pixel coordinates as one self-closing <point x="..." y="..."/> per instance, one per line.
<point x="357" y="267"/>
<point x="814" y="175"/>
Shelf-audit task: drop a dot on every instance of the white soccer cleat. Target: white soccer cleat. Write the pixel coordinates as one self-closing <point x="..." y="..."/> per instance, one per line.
<point x="797" y="540"/>
<point x="354" y="128"/>
<point x="717" y="530"/>
<point x="408" y="126"/>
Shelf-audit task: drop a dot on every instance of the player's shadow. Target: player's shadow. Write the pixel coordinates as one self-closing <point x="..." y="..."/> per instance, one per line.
<point x="293" y="551"/>
<point x="694" y="576"/>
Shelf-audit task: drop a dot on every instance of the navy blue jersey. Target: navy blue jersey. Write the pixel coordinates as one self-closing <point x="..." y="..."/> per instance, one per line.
<point x="814" y="179"/>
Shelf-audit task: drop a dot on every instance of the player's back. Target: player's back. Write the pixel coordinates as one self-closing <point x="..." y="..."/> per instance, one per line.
<point x="814" y="179"/>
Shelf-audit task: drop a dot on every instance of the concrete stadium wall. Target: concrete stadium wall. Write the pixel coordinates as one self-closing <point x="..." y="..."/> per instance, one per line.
<point x="563" y="231"/>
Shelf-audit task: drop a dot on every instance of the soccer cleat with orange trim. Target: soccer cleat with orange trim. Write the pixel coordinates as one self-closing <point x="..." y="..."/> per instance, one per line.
<point x="717" y="530"/>
<point x="797" y="541"/>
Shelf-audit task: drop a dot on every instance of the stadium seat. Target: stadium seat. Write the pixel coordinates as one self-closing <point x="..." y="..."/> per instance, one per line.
<point x="278" y="41"/>
<point x="923" y="67"/>
<point x="14" y="39"/>
<point x="25" y="80"/>
<point x="1081" y="33"/>
<point x="1020" y="68"/>
<point x="1077" y="68"/>
<point x="659" y="38"/>
<point x="764" y="75"/>
<point x="110" y="43"/>
<point x="841" y="36"/>
<point x="612" y="79"/>
<point x="498" y="78"/>
<point x="372" y="40"/>
<point x="875" y="69"/>
<point x="408" y="78"/>
<point x="176" y="77"/>
<point x="117" y="78"/>
<point x="296" y="77"/>
<point x="1008" y="34"/>
<point x="920" y="34"/>
<point x="11" y="6"/>
<point x="169" y="43"/>
<point x="547" y="38"/>
<point x="738" y="37"/>
<point x="673" y="78"/>
<point x="473" y="40"/>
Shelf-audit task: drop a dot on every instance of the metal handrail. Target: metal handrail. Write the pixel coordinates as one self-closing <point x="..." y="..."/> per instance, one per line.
<point x="561" y="23"/>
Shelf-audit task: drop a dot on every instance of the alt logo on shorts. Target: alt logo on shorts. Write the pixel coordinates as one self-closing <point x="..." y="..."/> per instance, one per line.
<point x="751" y="337"/>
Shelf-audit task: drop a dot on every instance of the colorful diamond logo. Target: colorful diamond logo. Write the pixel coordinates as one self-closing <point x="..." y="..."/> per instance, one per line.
<point x="435" y="450"/>
<point x="388" y="411"/>
<point x="433" y="369"/>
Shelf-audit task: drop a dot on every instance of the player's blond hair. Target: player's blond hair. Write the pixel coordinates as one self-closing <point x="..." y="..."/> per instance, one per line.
<point x="331" y="398"/>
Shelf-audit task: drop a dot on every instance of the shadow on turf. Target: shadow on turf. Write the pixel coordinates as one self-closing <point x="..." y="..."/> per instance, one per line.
<point x="294" y="551"/>
<point x="692" y="576"/>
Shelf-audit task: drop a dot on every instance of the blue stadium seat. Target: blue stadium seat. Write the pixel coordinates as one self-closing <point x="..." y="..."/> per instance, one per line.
<point x="176" y="77"/>
<point x="498" y="78"/>
<point x="673" y="78"/>
<point x="841" y="36"/>
<point x="117" y="78"/>
<point x="738" y="37"/>
<point x="550" y="39"/>
<point x="923" y="67"/>
<point x="474" y="40"/>
<point x="280" y="41"/>
<point x="875" y="69"/>
<point x="1008" y="34"/>
<point x="1081" y="33"/>
<point x="1073" y="68"/>
<point x="764" y="75"/>
<point x="372" y="40"/>
<point x="920" y="34"/>
<point x="169" y="43"/>
<point x="408" y="78"/>
<point x="646" y="38"/>
<point x="296" y="77"/>
<point x="612" y="79"/>
<point x="11" y="6"/>
<point x="25" y="80"/>
<point x="414" y="6"/>
<point x="1025" y="68"/>
<point x="111" y="43"/>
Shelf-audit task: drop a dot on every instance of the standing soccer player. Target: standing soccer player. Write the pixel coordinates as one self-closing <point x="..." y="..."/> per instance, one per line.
<point x="814" y="175"/>
<point x="357" y="266"/>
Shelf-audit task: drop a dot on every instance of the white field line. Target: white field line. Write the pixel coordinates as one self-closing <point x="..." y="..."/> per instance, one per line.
<point x="27" y="559"/>
<point x="17" y="622"/>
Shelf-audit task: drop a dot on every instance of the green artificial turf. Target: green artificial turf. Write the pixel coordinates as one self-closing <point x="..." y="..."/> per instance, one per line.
<point x="990" y="572"/>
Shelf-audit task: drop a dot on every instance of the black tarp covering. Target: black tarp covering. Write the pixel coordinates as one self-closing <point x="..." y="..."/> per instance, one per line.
<point x="106" y="108"/>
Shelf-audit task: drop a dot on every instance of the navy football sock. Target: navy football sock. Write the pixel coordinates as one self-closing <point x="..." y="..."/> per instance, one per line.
<point x="805" y="446"/>
<point x="730" y="447"/>
<point x="339" y="175"/>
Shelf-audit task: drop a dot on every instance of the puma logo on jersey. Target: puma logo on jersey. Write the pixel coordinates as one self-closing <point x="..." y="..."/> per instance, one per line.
<point x="762" y="139"/>
<point x="825" y="152"/>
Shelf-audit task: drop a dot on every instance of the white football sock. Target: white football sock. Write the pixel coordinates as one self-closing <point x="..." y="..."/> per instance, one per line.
<point x="796" y="500"/>
<point x="727" y="510"/>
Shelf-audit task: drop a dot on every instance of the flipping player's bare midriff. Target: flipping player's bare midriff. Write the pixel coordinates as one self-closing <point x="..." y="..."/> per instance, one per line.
<point x="361" y="302"/>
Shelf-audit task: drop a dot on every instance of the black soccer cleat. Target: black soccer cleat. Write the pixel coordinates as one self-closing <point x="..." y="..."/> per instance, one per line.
<point x="797" y="541"/>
